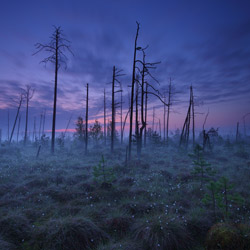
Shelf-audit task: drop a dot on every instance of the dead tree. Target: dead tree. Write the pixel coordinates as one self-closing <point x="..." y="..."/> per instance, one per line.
<point x="121" y="110"/>
<point x="34" y="130"/>
<point x="153" y="125"/>
<point x="21" y="98"/>
<point x="8" y="124"/>
<point x="116" y="74"/>
<point x="146" y="116"/>
<point x="186" y="127"/>
<point x="168" y="107"/>
<point x="237" y="133"/>
<point x="206" y="140"/>
<point x="193" y="114"/>
<point x="164" y="120"/>
<point x="105" y="128"/>
<point x="56" y="48"/>
<point x="28" y="94"/>
<point x="44" y="115"/>
<point x="144" y="70"/>
<point x="132" y="94"/>
<point x="86" y="119"/>
<point x="18" y="128"/>
<point x="40" y="126"/>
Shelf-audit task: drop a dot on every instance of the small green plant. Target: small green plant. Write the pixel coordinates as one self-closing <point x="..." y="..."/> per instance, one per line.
<point x="212" y="196"/>
<point x="201" y="167"/>
<point x="222" y="196"/>
<point x="103" y="174"/>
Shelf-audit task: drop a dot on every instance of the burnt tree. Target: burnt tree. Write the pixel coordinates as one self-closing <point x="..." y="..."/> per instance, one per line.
<point x="56" y="48"/>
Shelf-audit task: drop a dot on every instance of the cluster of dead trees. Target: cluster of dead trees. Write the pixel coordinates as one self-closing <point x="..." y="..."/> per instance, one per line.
<point x="143" y="85"/>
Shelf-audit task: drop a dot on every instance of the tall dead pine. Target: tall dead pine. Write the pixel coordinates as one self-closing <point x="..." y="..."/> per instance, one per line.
<point x="132" y="94"/>
<point x="56" y="48"/>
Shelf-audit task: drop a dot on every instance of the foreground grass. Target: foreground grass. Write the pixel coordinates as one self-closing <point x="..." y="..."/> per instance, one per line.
<point x="54" y="202"/>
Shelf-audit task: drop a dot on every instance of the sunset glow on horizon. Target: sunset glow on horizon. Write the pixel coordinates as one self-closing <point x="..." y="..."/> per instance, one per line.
<point x="203" y="44"/>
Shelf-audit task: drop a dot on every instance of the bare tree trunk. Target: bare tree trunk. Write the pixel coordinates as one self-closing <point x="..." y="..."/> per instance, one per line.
<point x="26" y="121"/>
<point x="86" y="120"/>
<point x="237" y="132"/>
<point x="40" y="126"/>
<point x="105" y="128"/>
<point x="136" y="120"/>
<point x="18" y="110"/>
<point x="113" y="111"/>
<point x="132" y="94"/>
<point x="121" y="118"/>
<point x="191" y="89"/>
<point x="186" y="127"/>
<point x="146" y="113"/>
<point x="169" y="104"/>
<point x="153" y="125"/>
<point x="160" y="127"/>
<point x="55" y="95"/>
<point x="18" y="128"/>
<point x="164" y="121"/>
<point x="34" y="130"/>
<point x="44" y="115"/>
<point x="143" y="119"/>
<point x="8" y="125"/>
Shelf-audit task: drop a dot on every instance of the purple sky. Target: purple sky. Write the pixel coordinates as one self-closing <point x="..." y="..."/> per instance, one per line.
<point x="203" y="43"/>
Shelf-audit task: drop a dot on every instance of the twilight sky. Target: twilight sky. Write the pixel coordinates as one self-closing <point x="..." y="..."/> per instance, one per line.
<point x="203" y="43"/>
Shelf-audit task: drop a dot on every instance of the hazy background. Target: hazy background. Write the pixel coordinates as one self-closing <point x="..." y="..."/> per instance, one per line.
<point x="203" y="43"/>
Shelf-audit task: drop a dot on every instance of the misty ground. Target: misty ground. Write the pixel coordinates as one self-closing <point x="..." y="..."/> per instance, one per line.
<point x="70" y="200"/>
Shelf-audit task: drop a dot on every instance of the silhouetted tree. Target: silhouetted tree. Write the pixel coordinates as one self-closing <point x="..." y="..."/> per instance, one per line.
<point x="105" y="128"/>
<point x="18" y="127"/>
<point x="86" y="119"/>
<point x="132" y="93"/>
<point x="186" y="127"/>
<point x="34" y="130"/>
<point x="28" y="94"/>
<point x="20" y="101"/>
<point x="168" y="107"/>
<point x="57" y="46"/>
<point x="116" y="74"/>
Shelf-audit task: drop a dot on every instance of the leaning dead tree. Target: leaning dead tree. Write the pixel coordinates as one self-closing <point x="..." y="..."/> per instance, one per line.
<point x="20" y="101"/>
<point x="56" y="48"/>
<point x="186" y="127"/>
<point x="116" y="73"/>
<point x="132" y="93"/>
<point x="28" y="95"/>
